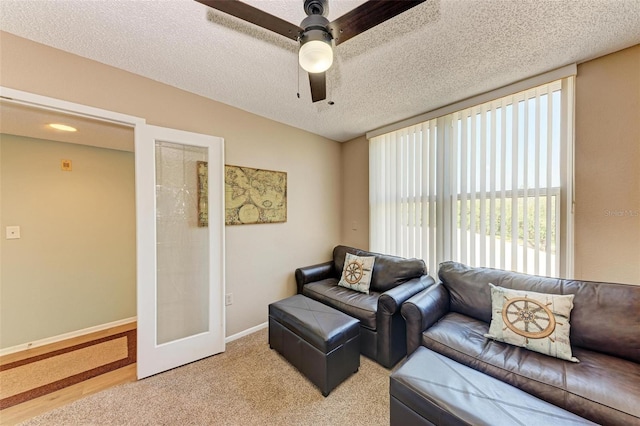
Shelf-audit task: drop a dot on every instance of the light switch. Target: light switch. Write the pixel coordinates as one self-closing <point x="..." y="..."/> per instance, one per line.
<point x="13" y="232"/>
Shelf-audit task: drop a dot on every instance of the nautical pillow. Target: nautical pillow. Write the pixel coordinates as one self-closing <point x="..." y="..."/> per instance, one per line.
<point x="356" y="273"/>
<point x="536" y="321"/>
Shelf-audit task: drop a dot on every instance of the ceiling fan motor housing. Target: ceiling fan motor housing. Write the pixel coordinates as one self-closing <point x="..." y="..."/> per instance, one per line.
<point x="316" y="27"/>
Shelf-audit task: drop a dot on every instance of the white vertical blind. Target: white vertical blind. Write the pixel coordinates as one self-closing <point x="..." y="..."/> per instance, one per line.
<point x="481" y="186"/>
<point x="403" y="188"/>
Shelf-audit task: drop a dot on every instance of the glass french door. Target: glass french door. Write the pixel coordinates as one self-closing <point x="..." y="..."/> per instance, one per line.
<point x="180" y="227"/>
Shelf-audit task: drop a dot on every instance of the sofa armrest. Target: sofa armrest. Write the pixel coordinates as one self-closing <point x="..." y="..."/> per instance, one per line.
<point x="391" y="332"/>
<point x="309" y="274"/>
<point x="422" y="311"/>
<point x="391" y="300"/>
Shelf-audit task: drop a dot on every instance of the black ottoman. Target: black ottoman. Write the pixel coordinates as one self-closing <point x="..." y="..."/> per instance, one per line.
<point x="321" y="342"/>
<point x="431" y="389"/>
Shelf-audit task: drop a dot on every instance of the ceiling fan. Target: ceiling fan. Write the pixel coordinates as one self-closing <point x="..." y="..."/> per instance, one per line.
<point x="316" y="34"/>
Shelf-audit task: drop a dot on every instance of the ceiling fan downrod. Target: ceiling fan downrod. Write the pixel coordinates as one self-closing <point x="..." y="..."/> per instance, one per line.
<point x="316" y="7"/>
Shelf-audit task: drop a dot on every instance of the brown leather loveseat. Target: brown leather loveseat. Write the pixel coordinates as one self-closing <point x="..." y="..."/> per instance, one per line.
<point x="452" y="317"/>
<point x="394" y="280"/>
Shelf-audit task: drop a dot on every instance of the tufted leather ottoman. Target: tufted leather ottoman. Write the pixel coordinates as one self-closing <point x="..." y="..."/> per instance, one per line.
<point x="321" y="342"/>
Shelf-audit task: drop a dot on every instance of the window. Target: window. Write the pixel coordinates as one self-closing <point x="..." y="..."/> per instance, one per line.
<point x="487" y="185"/>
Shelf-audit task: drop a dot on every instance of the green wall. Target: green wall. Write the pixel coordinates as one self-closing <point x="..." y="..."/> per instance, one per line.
<point x="74" y="265"/>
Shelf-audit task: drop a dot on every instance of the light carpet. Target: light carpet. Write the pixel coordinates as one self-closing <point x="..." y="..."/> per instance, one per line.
<point x="249" y="384"/>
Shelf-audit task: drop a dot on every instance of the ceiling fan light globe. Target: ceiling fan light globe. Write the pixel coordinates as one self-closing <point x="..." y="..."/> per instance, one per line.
<point x="315" y="56"/>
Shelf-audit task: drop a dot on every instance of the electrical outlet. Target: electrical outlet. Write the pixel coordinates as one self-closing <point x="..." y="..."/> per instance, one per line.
<point x="228" y="299"/>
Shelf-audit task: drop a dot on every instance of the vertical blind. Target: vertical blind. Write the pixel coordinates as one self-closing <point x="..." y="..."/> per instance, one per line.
<point x="486" y="186"/>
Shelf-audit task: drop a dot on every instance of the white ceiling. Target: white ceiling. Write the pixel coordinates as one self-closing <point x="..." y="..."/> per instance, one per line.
<point x="437" y="53"/>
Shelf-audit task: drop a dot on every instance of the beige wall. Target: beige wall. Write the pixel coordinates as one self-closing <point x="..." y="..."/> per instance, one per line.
<point x="75" y="260"/>
<point x="607" y="209"/>
<point x="260" y="259"/>
<point x="355" y="193"/>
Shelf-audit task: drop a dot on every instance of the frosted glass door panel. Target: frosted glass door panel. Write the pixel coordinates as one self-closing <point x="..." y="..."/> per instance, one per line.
<point x="182" y="246"/>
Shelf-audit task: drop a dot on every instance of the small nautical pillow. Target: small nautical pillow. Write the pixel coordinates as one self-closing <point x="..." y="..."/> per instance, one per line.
<point x="356" y="273"/>
<point x="536" y="321"/>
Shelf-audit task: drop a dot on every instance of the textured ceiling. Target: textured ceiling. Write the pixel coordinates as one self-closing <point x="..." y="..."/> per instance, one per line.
<point x="437" y="53"/>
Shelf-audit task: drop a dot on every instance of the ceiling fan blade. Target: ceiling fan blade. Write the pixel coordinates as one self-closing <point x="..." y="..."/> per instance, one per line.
<point x="367" y="16"/>
<point x="318" y="82"/>
<point x="255" y="16"/>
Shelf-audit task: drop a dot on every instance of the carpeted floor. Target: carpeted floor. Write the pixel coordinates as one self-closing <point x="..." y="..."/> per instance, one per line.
<point x="249" y="384"/>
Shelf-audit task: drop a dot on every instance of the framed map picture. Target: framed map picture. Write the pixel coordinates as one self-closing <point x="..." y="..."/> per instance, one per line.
<point x="254" y="196"/>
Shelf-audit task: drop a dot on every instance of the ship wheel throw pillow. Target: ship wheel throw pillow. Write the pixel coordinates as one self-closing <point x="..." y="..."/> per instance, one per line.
<point x="536" y="321"/>
<point x="356" y="273"/>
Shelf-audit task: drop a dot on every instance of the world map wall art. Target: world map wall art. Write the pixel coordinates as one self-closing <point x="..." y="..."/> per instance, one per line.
<point x="254" y="196"/>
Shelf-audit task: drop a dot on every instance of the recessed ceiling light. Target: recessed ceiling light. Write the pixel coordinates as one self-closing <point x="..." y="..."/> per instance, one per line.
<point x="63" y="127"/>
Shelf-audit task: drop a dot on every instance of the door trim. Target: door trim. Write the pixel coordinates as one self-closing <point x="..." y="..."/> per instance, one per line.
<point x="47" y="103"/>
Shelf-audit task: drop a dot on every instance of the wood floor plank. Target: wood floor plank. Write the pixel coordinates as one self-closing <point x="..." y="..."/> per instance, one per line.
<point x="37" y="406"/>
<point x="26" y="410"/>
<point x="30" y="376"/>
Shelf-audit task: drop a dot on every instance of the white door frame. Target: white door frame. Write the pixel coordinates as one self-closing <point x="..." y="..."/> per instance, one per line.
<point x="53" y="104"/>
<point x="47" y="103"/>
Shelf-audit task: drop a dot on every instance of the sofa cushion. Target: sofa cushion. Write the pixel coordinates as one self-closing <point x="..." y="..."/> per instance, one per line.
<point x="388" y="271"/>
<point x="356" y="273"/>
<point x="605" y="317"/>
<point x="584" y="388"/>
<point x="357" y="305"/>
<point x="443" y="391"/>
<point x="536" y="321"/>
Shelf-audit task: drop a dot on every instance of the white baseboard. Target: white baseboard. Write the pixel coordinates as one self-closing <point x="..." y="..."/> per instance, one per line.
<point x="70" y="335"/>
<point x="246" y="332"/>
<point x="65" y="336"/>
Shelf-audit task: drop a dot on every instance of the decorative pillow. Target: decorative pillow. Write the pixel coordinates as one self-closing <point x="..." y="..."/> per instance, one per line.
<point x="536" y="321"/>
<point x="356" y="273"/>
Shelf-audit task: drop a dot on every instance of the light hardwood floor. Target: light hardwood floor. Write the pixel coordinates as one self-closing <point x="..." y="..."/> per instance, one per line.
<point x="29" y="409"/>
<point x="34" y="407"/>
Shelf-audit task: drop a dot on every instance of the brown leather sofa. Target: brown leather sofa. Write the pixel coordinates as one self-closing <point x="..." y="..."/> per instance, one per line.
<point x="451" y="318"/>
<point x="394" y="280"/>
